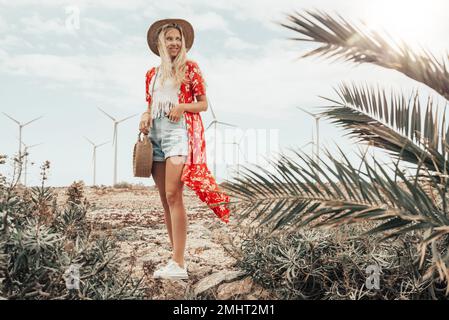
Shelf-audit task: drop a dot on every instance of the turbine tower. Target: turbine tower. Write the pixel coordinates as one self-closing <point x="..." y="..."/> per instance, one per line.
<point x="94" y="157"/>
<point x="215" y="122"/>
<point x="317" y="124"/>
<point x="25" y="152"/>
<point x="238" y="153"/>
<point x="114" y="139"/>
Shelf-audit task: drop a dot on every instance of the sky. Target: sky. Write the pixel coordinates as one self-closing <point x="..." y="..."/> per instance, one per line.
<point x="63" y="60"/>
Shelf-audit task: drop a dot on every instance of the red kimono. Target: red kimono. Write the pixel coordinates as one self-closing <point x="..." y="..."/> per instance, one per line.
<point x="195" y="173"/>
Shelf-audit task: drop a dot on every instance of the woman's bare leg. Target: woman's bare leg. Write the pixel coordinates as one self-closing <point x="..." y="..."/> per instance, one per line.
<point x="173" y="191"/>
<point x="158" y="173"/>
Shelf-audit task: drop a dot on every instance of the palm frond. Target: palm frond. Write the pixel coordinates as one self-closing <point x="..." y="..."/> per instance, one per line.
<point x="299" y="190"/>
<point x="393" y="123"/>
<point x="343" y="40"/>
<point x="295" y="191"/>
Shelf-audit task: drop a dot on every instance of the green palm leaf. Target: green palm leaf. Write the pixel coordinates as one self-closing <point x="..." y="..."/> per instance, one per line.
<point x="295" y="191"/>
<point x="393" y="124"/>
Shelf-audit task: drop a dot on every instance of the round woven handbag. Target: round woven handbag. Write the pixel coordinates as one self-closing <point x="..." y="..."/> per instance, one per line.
<point x="142" y="157"/>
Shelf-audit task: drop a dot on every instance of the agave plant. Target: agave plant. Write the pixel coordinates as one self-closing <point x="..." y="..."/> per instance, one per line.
<point x="48" y="251"/>
<point x="409" y="195"/>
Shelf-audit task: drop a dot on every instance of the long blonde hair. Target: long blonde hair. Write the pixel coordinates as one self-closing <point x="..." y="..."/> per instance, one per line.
<point x="175" y="69"/>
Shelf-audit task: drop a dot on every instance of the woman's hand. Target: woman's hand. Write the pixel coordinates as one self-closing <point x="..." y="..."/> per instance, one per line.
<point x="146" y="121"/>
<point x="176" y="113"/>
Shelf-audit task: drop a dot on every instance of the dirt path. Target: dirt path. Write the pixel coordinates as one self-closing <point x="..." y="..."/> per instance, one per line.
<point x="136" y="219"/>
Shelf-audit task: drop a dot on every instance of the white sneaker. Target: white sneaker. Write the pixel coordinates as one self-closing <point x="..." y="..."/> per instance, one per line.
<point x="171" y="271"/>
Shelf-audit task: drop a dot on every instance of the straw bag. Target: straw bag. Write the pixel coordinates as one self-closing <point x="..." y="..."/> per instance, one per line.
<point x="143" y="157"/>
<point x="143" y="150"/>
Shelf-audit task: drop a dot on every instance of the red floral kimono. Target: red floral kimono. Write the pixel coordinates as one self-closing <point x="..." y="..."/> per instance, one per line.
<point x="195" y="173"/>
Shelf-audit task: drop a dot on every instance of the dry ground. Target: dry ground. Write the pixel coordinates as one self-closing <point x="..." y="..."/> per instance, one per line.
<point x="135" y="217"/>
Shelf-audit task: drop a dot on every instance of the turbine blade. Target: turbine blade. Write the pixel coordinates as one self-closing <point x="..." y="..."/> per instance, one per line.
<point x="312" y="114"/>
<point x="35" y="145"/>
<point x="31" y="121"/>
<point x="128" y="117"/>
<point x="227" y="124"/>
<point x="113" y="119"/>
<point x="12" y="118"/>
<point x="89" y="141"/>
<point x="210" y="124"/>
<point x="103" y="143"/>
<point x="306" y="144"/>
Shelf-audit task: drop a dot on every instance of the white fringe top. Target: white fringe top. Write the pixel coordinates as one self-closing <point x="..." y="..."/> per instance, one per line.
<point x="164" y="97"/>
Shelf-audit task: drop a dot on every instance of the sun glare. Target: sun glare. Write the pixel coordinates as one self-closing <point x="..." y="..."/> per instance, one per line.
<point x="415" y="21"/>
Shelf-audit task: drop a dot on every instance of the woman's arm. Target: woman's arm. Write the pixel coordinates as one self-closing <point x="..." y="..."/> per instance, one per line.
<point x="195" y="107"/>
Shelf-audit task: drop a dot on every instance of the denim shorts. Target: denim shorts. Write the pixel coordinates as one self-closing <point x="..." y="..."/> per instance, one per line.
<point x="168" y="138"/>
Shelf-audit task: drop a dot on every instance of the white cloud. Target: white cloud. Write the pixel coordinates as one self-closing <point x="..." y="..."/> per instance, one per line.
<point x="12" y="42"/>
<point x="201" y="21"/>
<point x="209" y="21"/>
<point x="51" y="67"/>
<point x="3" y="54"/>
<point x="3" y="25"/>
<point x="63" y="46"/>
<point x="272" y="82"/>
<point x="116" y="79"/>
<point x="36" y="25"/>
<point x="98" y="26"/>
<point x="238" y="44"/>
<point x="107" y="4"/>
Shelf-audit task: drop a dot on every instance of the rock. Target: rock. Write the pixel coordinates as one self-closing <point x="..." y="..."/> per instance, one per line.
<point x="234" y="274"/>
<point x="259" y="293"/>
<point x="238" y="288"/>
<point x="215" y="279"/>
<point x="173" y="290"/>
<point x="195" y="268"/>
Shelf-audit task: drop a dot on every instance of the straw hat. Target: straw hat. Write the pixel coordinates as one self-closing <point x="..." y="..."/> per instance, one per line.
<point x="156" y="27"/>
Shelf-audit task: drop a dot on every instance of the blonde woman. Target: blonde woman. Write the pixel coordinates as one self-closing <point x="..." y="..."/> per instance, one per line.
<point x="175" y="95"/>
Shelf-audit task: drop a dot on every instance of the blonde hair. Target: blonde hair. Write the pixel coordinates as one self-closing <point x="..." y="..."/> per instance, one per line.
<point x="175" y="69"/>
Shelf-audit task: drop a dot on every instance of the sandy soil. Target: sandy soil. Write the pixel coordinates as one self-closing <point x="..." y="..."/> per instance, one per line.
<point x="135" y="217"/>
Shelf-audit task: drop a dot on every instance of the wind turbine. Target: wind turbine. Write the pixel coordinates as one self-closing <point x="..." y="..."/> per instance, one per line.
<point x="238" y="153"/>
<point x="215" y="122"/>
<point x="317" y="123"/>
<point x="114" y="139"/>
<point x="25" y="152"/>
<point x="21" y="125"/>
<point x="310" y="142"/>
<point x="94" y="158"/>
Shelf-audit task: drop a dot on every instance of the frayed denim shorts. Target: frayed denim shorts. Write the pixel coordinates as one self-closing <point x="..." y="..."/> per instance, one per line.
<point x="169" y="138"/>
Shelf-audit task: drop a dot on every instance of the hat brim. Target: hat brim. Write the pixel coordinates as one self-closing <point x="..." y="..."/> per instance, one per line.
<point x="153" y="33"/>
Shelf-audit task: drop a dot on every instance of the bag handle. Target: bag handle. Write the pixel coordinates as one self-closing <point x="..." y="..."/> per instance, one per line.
<point x="139" y="134"/>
